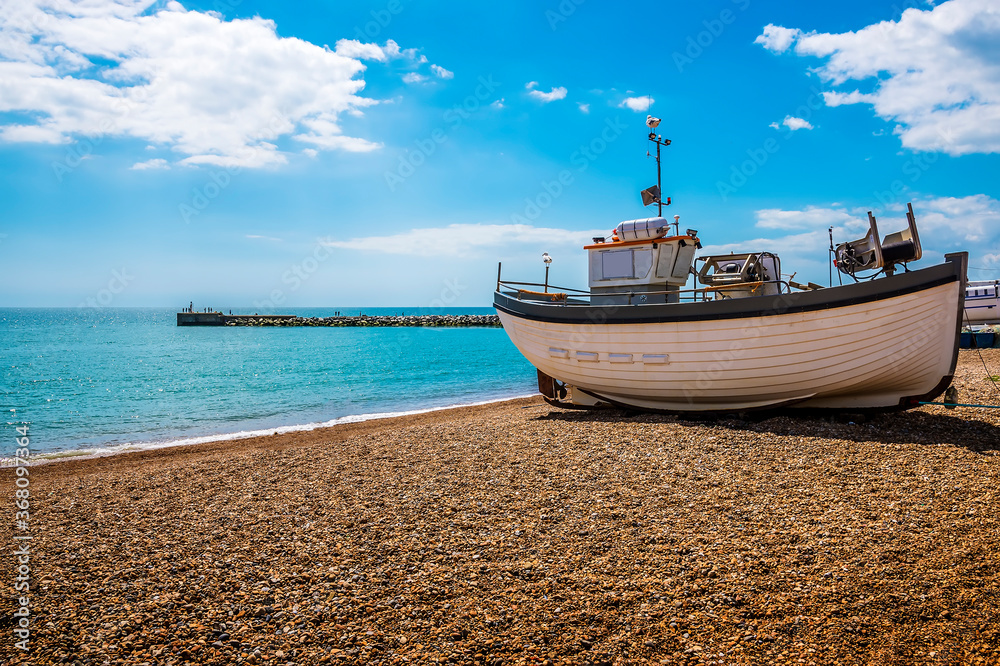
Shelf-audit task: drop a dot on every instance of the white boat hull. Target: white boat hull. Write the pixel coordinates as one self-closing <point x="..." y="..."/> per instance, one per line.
<point x="883" y="353"/>
<point x="982" y="303"/>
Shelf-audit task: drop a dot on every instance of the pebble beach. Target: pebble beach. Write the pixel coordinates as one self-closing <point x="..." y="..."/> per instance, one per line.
<point x="516" y="532"/>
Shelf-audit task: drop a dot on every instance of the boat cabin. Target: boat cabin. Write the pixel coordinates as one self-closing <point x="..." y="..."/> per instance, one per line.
<point x="641" y="263"/>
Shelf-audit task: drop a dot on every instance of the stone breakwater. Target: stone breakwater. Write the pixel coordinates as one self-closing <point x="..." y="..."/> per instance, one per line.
<point x="492" y="321"/>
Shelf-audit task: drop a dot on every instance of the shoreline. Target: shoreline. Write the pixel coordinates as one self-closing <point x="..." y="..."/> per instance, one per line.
<point x="969" y="358"/>
<point x="91" y="453"/>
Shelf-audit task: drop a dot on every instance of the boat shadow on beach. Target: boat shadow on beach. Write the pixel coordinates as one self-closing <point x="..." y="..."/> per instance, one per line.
<point x="912" y="427"/>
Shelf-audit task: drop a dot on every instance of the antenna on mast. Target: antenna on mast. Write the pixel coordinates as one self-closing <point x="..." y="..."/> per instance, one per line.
<point x="654" y="194"/>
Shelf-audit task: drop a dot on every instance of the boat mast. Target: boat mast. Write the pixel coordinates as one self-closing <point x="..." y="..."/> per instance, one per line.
<point x="652" y="123"/>
<point x="659" y="186"/>
<point x="832" y="257"/>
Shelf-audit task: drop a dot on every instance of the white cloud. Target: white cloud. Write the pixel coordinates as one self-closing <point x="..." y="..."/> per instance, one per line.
<point x="267" y="238"/>
<point x="931" y="72"/>
<point x="584" y="108"/>
<point x="157" y="163"/>
<point x="962" y="221"/>
<point x="392" y="50"/>
<point x="776" y="38"/>
<point x="413" y="77"/>
<point x="833" y="98"/>
<point x="460" y="239"/>
<point x="498" y="104"/>
<point x="955" y="221"/>
<point x="805" y="252"/>
<point x="215" y="91"/>
<point x="545" y="97"/>
<point x="330" y="139"/>
<point x="352" y="48"/>
<point x="793" y="123"/>
<point x="441" y="72"/>
<point x="811" y="218"/>
<point x="638" y="104"/>
<point x="945" y="224"/>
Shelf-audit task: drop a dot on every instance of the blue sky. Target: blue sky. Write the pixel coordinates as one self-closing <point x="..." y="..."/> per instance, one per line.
<point x="274" y="155"/>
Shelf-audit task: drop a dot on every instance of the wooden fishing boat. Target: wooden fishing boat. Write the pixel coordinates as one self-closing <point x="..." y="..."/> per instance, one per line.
<point x="745" y="336"/>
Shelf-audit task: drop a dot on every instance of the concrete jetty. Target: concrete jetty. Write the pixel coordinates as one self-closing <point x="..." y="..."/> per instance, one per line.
<point x="220" y="319"/>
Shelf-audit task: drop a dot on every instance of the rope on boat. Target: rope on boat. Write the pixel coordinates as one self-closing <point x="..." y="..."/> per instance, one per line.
<point x="550" y="295"/>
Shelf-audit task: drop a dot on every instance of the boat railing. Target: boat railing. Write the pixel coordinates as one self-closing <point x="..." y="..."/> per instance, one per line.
<point x="564" y="295"/>
<point x="549" y="288"/>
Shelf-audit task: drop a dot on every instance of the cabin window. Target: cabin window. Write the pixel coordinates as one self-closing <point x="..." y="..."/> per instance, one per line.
<point x="665" y="261"/>
<point x="617" y="264"/>
<point x="642" y="260"/>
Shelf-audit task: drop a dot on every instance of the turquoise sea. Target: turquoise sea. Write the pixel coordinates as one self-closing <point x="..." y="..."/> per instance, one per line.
<point x="91" y="379"/>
